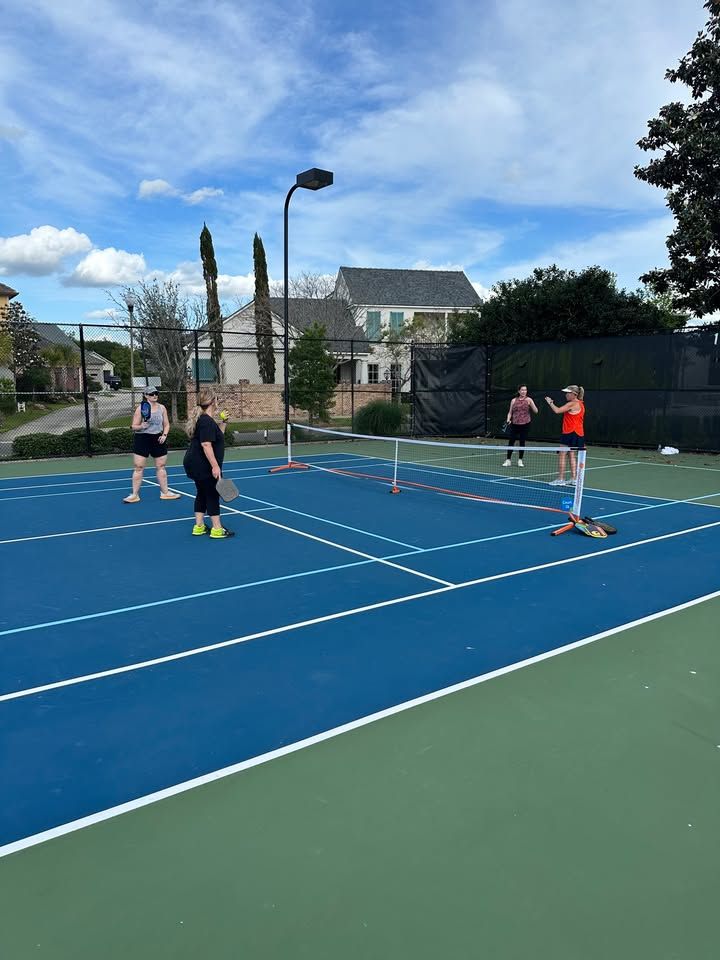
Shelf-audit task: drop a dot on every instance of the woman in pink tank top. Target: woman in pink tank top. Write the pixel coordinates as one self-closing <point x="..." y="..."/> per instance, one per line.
<point x="519" y="418"/>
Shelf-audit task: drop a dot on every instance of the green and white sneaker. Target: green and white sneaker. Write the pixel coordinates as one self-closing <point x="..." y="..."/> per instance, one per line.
<point x="221" y="533"/>
<point x="198" y="531"/>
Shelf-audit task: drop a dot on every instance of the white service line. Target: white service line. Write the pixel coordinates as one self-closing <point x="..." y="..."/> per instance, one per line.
<point x="327" y="543"/>
<point x="77" y="533"/>
<point x="137" y="803"/>
<point x="312" y="516"/>
<point x="343" y="614"/>
<point x="119" y="526"/>
<point x="65" y="493"/>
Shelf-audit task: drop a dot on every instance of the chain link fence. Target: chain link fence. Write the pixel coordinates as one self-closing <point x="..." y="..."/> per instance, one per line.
<point x="79" y="395"/>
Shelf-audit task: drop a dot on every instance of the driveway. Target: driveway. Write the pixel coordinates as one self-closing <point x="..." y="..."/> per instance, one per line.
<point x="103" y="406"/>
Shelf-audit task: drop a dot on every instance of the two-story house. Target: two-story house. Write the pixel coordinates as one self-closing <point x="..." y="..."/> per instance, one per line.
<point x="384" y="301"/>
<point x="347" y="341"/>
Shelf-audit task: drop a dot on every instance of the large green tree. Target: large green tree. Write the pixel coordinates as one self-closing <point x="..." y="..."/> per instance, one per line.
<point x="5" y="340"/>
<point x="688" y="137"/>
<point x="214" y="314"/>
<point x="312" y="374"/>
<point x="263" y="316"/>
<point x="63" y="359"/>
<point x="25" y="343"/>
<point x="556" y="304"/>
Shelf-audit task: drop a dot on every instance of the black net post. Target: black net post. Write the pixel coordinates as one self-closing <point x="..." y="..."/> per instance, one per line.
<point x="196" y="378"/>
<point x="86" y="398"/>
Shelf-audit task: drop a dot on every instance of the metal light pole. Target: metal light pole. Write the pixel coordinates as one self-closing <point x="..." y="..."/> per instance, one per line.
<point x="313" y="179"/>
<point x="130" y="304"/>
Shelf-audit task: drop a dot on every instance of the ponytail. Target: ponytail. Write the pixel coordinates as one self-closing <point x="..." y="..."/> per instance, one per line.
<point x="204" y="399"/>
<point x="581" y="392"/>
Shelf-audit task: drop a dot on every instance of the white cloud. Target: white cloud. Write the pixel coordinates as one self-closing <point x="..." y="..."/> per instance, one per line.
<point x="189" y="278"/>
<point x="201" y="195"/>
<point x="156" y="188"/>
<point x="108" y="267"/>
<point x="41" y="251"/>
<point x="161" y="188"/>
<point x="483" y="292"/>
<point x="108" y="314"/>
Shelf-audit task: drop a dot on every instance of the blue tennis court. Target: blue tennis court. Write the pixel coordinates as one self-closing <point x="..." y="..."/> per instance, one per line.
<point x="137" y="660"/>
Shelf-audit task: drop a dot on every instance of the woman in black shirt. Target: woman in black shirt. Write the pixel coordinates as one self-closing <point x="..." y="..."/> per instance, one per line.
<point x="203" y="464"/>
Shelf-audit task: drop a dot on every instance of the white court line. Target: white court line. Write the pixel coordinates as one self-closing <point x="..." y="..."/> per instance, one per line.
<point x="341" y="615"/>
<point x="92" y="480"/>
<point x="126" y="470"/>
<point x="311" y="516"/>
<point x="327" y="543"/>
<point x="110" y="812"/>
<point x="77" y="533"/>
<point x="120" y="526"/>
<point x="65" y="493"/>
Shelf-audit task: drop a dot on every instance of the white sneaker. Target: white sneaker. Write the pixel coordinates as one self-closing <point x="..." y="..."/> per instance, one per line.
<point x="571" y="483"/>
<point x="520" y="463"/>
<point x="557" y="483"/>
<point x="508" y="463"/>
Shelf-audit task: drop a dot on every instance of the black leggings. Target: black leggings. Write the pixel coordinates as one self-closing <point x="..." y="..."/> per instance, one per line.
<point x="207" y="499"/>
<point x="519" y="432"/>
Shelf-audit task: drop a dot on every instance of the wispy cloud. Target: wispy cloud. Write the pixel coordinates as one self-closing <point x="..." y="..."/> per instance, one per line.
<point x="149" y="189"/>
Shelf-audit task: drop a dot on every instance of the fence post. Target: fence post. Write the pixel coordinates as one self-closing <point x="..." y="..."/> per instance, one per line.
<point x="412" y="388"/>
<point x="352" y="386"/>
<point x="488" y="385"/>
<point x="196" y="378"/>
<point x="86" y="399"/>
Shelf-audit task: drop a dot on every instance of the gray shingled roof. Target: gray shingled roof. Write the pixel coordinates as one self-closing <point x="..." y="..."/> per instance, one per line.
<point x="51" y="334"/>
<point x="410" y="288"/>
<point x="7" y="291"/>
<point x="333" y="314"/>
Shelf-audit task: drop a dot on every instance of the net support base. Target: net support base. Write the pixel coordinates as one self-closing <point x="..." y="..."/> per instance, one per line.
<point x="566" y="527"/>
<point x="394" y="489"/>
<point x="291" y="465"/>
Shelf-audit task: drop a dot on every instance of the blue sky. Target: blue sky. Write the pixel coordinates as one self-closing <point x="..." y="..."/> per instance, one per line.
<point x="491" y="136"/>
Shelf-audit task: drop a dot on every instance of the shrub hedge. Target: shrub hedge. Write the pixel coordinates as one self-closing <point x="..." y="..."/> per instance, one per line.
<point x="379" y="419"/>
<point x="73" y="443"/>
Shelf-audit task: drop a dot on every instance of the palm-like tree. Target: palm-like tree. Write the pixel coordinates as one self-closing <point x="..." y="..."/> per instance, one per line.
<point x="61" y="357"/>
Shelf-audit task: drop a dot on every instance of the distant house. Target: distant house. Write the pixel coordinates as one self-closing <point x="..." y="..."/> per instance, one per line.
<point x="6" y="295"/>
<point x="346" y="340"/>
<point x="69" y="377"/>
<point x="384" y="300"/>
<point x="365" y="303"/>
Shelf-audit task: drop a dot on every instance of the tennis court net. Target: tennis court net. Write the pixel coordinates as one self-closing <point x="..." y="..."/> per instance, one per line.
<point x="485" y="472"/>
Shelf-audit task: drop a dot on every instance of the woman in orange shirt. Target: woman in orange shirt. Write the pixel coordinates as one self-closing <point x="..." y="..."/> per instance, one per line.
<point x="573" y="431"/>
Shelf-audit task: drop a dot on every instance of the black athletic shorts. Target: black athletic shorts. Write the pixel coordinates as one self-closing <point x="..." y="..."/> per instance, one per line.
<point x="573" y="440"/>
<point x="148" y="445"/>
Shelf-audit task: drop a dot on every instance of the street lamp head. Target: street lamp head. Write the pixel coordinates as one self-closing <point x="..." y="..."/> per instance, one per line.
<point x="314" y="179"/>
<point x="130" y="300"/>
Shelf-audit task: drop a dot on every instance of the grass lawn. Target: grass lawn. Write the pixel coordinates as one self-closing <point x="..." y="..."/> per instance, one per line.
<point x="11" y="420"/>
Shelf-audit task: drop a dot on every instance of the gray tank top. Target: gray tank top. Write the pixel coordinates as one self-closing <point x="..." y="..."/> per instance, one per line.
<point x="155" y="423"/>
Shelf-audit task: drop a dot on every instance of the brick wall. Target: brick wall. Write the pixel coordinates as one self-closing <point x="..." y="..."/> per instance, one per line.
<point x="263" y="401"/>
